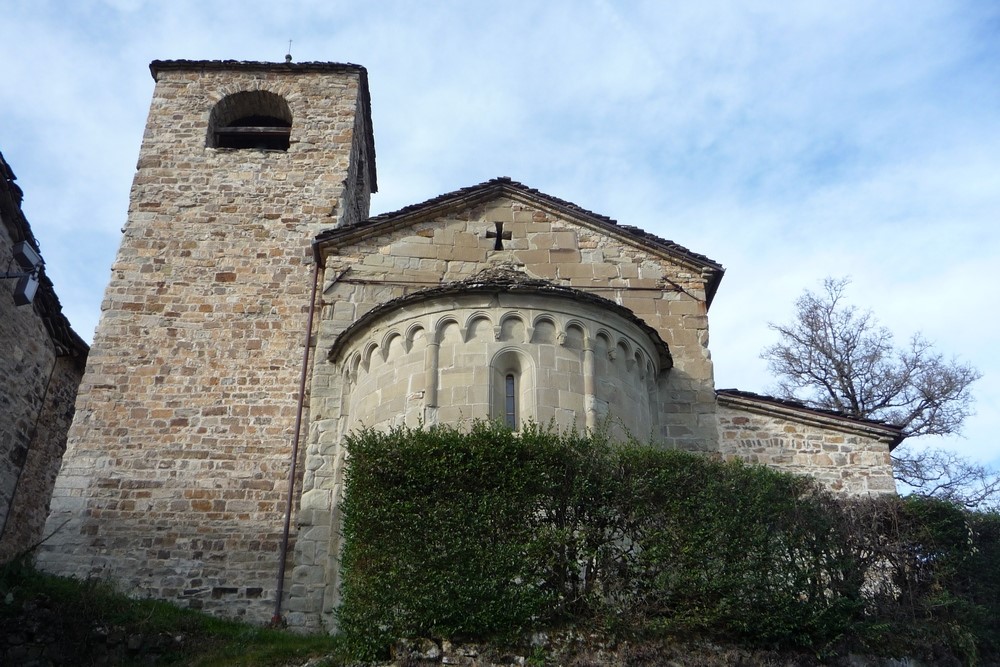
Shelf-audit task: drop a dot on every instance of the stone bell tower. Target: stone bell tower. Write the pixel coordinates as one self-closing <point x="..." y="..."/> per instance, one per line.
<point x="175" y="477"/>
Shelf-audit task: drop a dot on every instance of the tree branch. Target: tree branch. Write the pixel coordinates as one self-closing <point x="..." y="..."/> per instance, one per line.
<point x="834" y="356"/>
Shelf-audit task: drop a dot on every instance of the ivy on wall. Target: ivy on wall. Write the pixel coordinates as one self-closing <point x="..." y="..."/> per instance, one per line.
<point x="490" y="534"/>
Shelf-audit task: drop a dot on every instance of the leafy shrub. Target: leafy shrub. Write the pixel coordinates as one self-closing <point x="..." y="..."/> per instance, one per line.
<point x="490" y="534"/>
<point x="441" y="535"/>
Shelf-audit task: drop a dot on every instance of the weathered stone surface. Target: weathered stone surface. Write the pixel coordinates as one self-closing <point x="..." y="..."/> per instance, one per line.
<point x="391" y="372"/>
<point x="41" y="363"/>
<point x="845" y="456"/>
<point x="438" y="361"/>
<point x="176" y="476"/>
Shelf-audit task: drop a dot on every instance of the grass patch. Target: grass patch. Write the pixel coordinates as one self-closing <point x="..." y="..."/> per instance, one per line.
<point x="72" y="621"/>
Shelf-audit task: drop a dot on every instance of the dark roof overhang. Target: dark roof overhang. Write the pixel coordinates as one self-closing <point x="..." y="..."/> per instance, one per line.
<point x="157" y="66"/>
<point x="46" y="304"/>
<point x="872" y="427"/>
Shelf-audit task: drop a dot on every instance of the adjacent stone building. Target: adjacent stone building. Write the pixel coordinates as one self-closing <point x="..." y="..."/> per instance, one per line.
<point x="256" y="314"/>
<point x="41" y="363"/>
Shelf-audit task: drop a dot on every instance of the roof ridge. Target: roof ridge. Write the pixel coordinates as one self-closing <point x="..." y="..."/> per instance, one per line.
<point x="799" y="405"/>
<point x="46" y="304"/>
<point x="505" y="183"/>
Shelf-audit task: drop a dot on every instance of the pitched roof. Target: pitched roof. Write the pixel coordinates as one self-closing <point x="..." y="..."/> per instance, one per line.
<point x="505" y="187"/>
<point x="46" y="303"/>
<point x="738" y="398"/>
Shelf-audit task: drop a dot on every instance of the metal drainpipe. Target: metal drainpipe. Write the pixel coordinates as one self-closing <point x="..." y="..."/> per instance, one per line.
<point x="283" y="555"/>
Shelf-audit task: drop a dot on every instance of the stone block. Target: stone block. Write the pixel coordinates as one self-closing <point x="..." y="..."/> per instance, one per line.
<point x="532" y="256"/>
<point x="575" y="272"/>
<point x="317" y="499"/>
<point x="461" y="253"/>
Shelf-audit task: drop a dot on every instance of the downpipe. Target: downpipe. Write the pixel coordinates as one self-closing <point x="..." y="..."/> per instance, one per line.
<point x="276" y="619"/>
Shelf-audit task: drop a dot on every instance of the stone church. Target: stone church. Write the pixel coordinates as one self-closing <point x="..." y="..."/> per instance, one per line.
<point x="256" y="313"/>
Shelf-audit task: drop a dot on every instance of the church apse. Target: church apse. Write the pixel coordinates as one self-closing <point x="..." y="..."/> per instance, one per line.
<point x="510" y="350"/>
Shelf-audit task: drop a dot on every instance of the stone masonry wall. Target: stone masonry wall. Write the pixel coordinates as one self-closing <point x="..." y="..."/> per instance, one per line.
<point x="30" y="506"/>
<point x="37" y="392"/>
<point x="666" y="295"/>
<point x="26" y="360"/>
<point x="845" y="458"/>
<point x="175" y="477"/>
<point x="374" y="268"/>
<point x="394" y="377"/>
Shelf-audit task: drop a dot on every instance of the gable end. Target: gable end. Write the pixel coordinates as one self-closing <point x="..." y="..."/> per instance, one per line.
<point x="505" y="187"/>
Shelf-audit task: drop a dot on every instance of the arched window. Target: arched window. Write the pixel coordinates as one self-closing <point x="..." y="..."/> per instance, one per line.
<point x="250" y="119"/>
<point x="510" y="402"/>
<point x="512" y="388"/>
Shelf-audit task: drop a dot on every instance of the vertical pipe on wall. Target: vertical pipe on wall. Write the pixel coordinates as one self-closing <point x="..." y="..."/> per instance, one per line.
<point x="283" y="555"/>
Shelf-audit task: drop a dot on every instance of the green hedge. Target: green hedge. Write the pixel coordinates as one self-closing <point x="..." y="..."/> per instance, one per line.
<point x="491" y="534"/>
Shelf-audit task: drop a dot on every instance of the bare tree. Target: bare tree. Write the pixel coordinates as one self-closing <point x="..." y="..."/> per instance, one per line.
<point x="837" y="357"/>
<point x="944" y="474"/>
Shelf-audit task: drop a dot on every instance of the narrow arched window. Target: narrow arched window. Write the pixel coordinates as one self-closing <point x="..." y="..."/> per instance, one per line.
<point x="512" y="388"/>
<point x="510" y="401"/>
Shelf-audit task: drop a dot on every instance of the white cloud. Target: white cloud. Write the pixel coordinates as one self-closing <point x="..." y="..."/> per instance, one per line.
<point x="787" y="141"/>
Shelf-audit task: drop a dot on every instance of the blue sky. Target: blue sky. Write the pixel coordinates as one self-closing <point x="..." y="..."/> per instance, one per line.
<point x="788" y="141"/>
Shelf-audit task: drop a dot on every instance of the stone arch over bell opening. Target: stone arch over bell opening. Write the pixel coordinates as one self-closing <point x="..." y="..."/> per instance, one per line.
<point x="251" y="119"/>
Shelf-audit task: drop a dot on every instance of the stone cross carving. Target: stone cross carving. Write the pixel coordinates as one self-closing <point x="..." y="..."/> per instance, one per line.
<point x="500" y="235"/>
